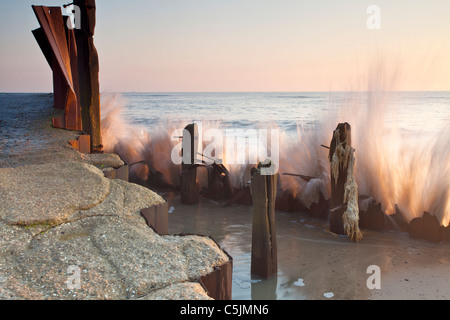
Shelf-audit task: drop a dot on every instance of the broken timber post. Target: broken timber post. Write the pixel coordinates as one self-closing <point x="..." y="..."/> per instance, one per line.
<point x="189" y="190"/>
<point x="219" y="184"/>
<point x="264" y="245"/>
<point x="344" y="212"/>
<point x="88" y="70"/>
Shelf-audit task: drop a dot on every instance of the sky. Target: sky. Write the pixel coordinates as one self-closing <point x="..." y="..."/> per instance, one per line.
<point x="244" y="45"/>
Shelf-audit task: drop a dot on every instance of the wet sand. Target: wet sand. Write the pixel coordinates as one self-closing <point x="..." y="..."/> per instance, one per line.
<point x="316" y="264"/>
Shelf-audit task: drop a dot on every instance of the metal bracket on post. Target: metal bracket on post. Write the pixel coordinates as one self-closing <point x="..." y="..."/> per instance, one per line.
<point x="82" y="144"/>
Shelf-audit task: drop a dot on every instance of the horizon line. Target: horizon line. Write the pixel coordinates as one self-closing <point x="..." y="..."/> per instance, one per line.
<point x="309" y="91"/>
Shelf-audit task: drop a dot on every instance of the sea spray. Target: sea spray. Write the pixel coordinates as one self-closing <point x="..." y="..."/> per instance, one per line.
<point x="398" y="169"/>
<point x="391" y="165"/>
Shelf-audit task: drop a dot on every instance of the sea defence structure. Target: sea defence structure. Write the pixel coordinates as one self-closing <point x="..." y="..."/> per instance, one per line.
<point x="69" y="50"/>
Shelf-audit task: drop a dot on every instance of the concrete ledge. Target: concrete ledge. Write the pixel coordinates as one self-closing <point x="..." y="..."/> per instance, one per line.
<point x="68" y="216"/>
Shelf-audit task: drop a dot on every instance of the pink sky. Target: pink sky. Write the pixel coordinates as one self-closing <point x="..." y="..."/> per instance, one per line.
<point x="245" y="45"/>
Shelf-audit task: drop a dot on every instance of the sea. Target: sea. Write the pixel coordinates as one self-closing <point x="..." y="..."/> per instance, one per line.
<point x="396" y="135"/>
<point x="411" y="111"/>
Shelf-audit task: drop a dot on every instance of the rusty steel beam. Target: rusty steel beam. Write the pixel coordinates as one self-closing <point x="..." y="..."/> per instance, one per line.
<point x="88" y="72"/>
<point x="52" y="38"/>
<point x="42" y="41"/>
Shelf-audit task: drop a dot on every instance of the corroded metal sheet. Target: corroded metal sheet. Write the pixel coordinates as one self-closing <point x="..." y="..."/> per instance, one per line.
<point x="41" y="39"/>
<point x="88" y="67"/>
<point x="157" y="217"/>
<point x="84" y="143"/>
<point x="218" y="284"/>
<point x="63" y="50"/>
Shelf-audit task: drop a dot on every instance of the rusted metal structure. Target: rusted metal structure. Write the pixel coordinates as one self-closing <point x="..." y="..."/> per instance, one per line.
<point x="73" y="59"/>
<point x="88" y="69"/>
<point x="157" y="218"/>
<point x="218" y="284"/>
<point x="82" y="143"/>
<point x="57" y="42"/>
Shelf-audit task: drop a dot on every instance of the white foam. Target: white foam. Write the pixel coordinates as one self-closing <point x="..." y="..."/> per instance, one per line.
<point x="299" y="283"/>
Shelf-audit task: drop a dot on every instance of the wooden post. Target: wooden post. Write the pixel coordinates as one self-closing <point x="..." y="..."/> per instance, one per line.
<point x="88" y="69"/>
<point x="344" y="212"/>
<point x="219" y="184"/>
<point x="264" y="245"/>
<point x="189" y="190"/>
<point x="343" y="132"/>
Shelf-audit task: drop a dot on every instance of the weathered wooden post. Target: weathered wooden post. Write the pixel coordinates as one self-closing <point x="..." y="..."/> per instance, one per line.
<point x="264" y="244"/>
<point x="189" y="190"/>
<point x="344" y="212"/>
<point x="88" y="69"/>
<point x="219" y="184"/>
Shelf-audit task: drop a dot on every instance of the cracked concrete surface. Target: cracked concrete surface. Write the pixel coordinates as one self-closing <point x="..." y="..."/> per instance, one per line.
<point x="62" y="215"/>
